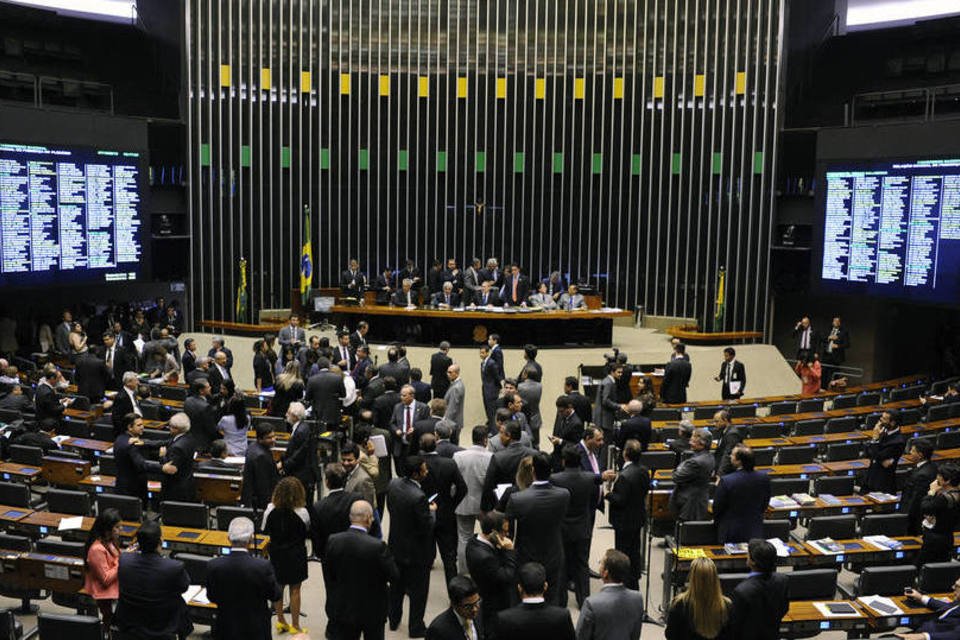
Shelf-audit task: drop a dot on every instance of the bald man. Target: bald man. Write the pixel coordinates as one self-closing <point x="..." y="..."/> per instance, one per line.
<point x="636" y="427"/>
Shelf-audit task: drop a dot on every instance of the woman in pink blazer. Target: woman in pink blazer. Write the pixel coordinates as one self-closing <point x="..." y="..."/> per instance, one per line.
<point x="103" y="560"/>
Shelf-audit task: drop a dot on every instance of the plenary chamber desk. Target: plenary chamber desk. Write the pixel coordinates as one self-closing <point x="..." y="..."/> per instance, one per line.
<point x="466" y="327"/>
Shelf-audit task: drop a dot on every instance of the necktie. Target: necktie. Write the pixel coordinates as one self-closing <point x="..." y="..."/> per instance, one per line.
<point x="467" y="629"/>
<point x="593" y="462"/>
<point x="806" y="339"/>
<point x="484" y="298"/>
<point x="343" y="351"/>
<point x="515" y="288"/>
<point x="570" y="304"/>
<point x="447" y="299"/>
<point x="110" y="358"/>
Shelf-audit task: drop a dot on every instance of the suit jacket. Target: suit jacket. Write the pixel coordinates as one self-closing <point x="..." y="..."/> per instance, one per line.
<point x="494" y="572"/>
<point x="92" y="377"/>
<point x="446" y="626"/>
<point x="227" y="352"/>
<point x="411" y="523"/>
<point x="353" y="284"/>
<point x="289" y="335"/>
<point x="581" y="406"/>
<point x="676" y="379"/>
<point x="243" y="588"/>
<point x="758" y="605"/>
<point x="733" y="435"/>
<point x="421" y="391"/>
<point x="359" y="481"/>
<point x="496" y="354"/>
<point x="330" y="515"/>
<point x="635" y="428"/>
<point x="300" y="458"/>
<point x="446" y="449"/>
<point x="181" y="485"/>
<point x="691" y="487"/>
<point x="399" y="298"/>
<point x="439" y="382"/>
<point x="473" y="464"/>
<point x="502" y="470"/>
<point x="471" y="284"/>
<point x="61" y="338"/>
<point x="398" y="423"/>
<point x="523" y="290"/>
<point x="122" y="405"/>
<point x="188" y="362"/>
<point x="628" y="498"/>
<point x="47" y="405"/>
<point x="150" y="604"/>
<point x="739" y="504"/>
<point x="947" y="623"/>
<point x="568" y="302"/>
<point x="454" y="398"/>
<point x="337" y="357"/>
<point x="613" y="613"/>
<point x="606" y="406"/>
<point x="446" y="481"/>
<point x="420" y="427"/>
<point x="357" y="569"/>
<point x="539" y="621"/>
<point x="890" y="446"/>
<point x="324" y="392"/>
<point x="814" y="342"/>
<point x="491" y="299"/>
<point x="540" y="512"/>
<point x="739" y="374"/>
<point x="582" y="485"/>
<point x="132" y="468"/>
<point x="915" y="488"/>
<point x="382" y="402"/>
<point x="203" y="421"/>
<point x="530" y="392"/>
<point x="491" y="275"/>
<point x="397" y="371"/>
<point x="384" y="288"/>
<point x="357" y="340"/>
<point x="838" y="354"/>
<point x="439" y="298"/>
<point x="259" y="477"/>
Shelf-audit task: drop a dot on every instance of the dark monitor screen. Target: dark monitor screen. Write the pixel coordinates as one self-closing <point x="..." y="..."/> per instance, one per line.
<point x="889" y="228"/>
<point x="70" y="215"/>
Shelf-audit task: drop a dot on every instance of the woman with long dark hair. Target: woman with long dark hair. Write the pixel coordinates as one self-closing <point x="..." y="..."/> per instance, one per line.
<point x="234" y="424"/>
<point x="102" y="557"/>
<point x="262" y="366"/>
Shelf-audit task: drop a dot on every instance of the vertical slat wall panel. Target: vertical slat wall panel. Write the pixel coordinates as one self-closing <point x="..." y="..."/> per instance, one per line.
<point x="627" y="143"/>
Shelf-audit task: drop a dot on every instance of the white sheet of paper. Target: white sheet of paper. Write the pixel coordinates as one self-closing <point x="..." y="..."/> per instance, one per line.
<point x="826" y="613"/>
<point x="235" y="460"/>
<point x="70" y="524"/>
<point x="735" y="386"/>
<point x="379" y="445"/>
<point x="501" y="489"/>
<point x="870" y="600"/>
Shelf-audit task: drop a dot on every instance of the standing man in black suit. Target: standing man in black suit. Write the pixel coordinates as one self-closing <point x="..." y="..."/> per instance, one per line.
<point x="577" y="528"/>
<point x="760" y="601"/>
<point x="352" y="281"/>
<point x="445" y="481"/>
<point x="535" y="618"/>
<point x="676" y="376"/>
<point x="628" y="509"/>
<point x="392" y="367"/>
<point x="808" y="341"/>
<point x="219" y="344"/>
<point x="125" y="402"/>
<point x="741" y="499"/>
<point x="567" y="429"/>
<point x="918" y="482"/>
<point x="132" y="467"/>
<point x="504" y="463"/>
<point x="439" y="363"/>
<point x="188" y="361"/>
<point x="517" y="288"/>
<point x="636" y="427"/>
<point x="331" y="514"/>
<point x="325" y="392"/>
<point x="150" y="603"/>
<point x="359" y="337"/>
<point x="884" y="451"/>
<point x="462" y="620"/>
<point x="492" y="563"/>
<point x="833" y="352"/>
<point x="730" y="435"/>
<point x="411" y="541"/>
<point x="242" y="587"/>
<point x="300" y="458"/>
<point x="581" y="403"/>
<point x="177" y="462"/>
<point x="260" y="474"/>
<point x="490" y="379"/>
<point x="91" y="376"/>
<point x="343" y="355"/>
<point x="496" y="352"/>
<point x="539" y="512"/>
<point x="359" y="573"/>
<point x="732" y="376"/>
<point x="204" y="417"/>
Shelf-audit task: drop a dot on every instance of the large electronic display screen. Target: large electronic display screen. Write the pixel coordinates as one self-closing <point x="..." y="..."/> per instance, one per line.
<point x="70" y="215"/>
<point x="890" y="228"/>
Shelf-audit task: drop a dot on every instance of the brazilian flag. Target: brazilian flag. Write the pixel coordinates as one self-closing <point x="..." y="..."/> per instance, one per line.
<point x="242" y="292"/>
<point x="721" y="301"/>
<point x="306" y="258"/>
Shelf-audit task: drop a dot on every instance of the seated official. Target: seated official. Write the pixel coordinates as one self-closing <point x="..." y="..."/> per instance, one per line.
<point x="486" y="297"/>
<point x="13" y="398"/>
<point x="406" y="296"/>
<point x="572" y="300"/>
<point x="946" y="626"/>
<point x="542" y="298"/>
<point x="446" y="299"/>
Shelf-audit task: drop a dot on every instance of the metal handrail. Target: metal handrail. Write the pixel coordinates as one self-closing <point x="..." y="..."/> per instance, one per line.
<point x="38" y="81"/>
<point x="927" y="94"/>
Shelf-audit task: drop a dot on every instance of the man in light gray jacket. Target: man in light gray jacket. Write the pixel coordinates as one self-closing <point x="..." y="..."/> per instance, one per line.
<point x="530" y="391"/>
<point x="454" y="399"/>
<point x="473" y="463"/>
<point x="615" y="613"/>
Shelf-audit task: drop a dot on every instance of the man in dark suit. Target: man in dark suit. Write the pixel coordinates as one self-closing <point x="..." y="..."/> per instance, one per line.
<point x="492" y="273"/>
<point x="405" y="296"/>
<point x="48" y="406"/>
<point x="732" y="376"/>
<point x="353" y="281"/>
<point x="204" y="417"/>
<point x="577" y="526"/>
<point x="691" y="479"/>
<point x="411" y="541"/>
<point x="188" y="361"/>
<point x="381" y="395"/>
<point x="567" y="429"/>
<point x="92" y="376"/>
<point x="300" y="458"/>
<point x="492" y="563"/>
<point x="760" y="601"/>
<point x="490" y="379"/>
<point x="392" y="367"/>
<point x="331" y="514"/>
<point x="132" y="467"/>
<point x="445" y="481"/>
<point x="730" y="435"/>
<point x="636" y="427"/>
<point x="445" y="448"/>
<point x="260" y="474"/>
<point x="503" y="464"/>
<point x="385" y="284"/>
<point x="628" y="509"/>
<point x="150" y="603"/>
<point x="589" y="449"/>
<point x="242" y="587"/>
<point x="741" y="499"/>
<point x="581" y="403"/>
<point x="676" y="378"/>
<point x="343" y="355"/>
<point x="325" y="392"/>
<point x="126" y="401"/>
<point x="517" y="288"/>
<point x="918" y="482"/>
<point x="439" y="363"/>
<point x="535" y="618"/>
<point x="605" y="407"/>
<point x="833" y="351"/>
<point x="486" y="297"/>
<point x="219" y="344"/>
<point x="421" y="390"/>
<point x="462" y="620"/>
<point x="884" y="451"/>
<point x="539" y="512"/>
<point x="946" y="625"/>
<point x="359" y="572"/>
<point x="447" y="298"/>
<point x="177" y="462"/>
<point x="808" y="340"/>
<point x="359" y="336"/>
<point x="406" y="414"/>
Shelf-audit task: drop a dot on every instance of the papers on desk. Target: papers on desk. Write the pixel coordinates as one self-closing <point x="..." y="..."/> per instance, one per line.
<point x="501" y="489"/>
<point x="804" y="499"/>
<point x="196" y="593"/>
<point x="837" y="610"/>
<point x="883" y="542"/>
<point x="70" y="524"/>
<point x="783" y="502"/>
<point x="829" y="499"/>
<point x="783" y="551"/>
<point x="379" y="445"/>
<point x="610" y="309"/>
<point x="880" y="496"/>
<point x="883" y="606"/>
<point x="59" y="439"/>
<point x="235" y="460"/>
<point x="826" y="546"/>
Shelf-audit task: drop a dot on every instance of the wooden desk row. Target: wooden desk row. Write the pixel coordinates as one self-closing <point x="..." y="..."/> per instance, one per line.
<point x="805" y="618"/>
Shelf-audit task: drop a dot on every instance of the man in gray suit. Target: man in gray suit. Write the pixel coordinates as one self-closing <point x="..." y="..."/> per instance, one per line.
<point x="406" y="412"/>
<point x="61" y="336"/>
<point x="293" y="334"/>
<point x="606" y="406"/>
<point x="692" y="479"/>
<point x="471" y="281"/>
<point x="473" y="463"/>
<point x="454" y="399"/>
<point x="616" y="613"/>
<point x="572" y="300"/>
<point x="503" y="416"/>
<point x="530" y="391"/>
